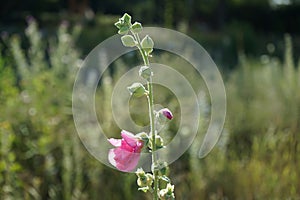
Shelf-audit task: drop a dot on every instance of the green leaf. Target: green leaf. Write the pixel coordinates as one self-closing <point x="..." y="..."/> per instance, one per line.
<point x="137" y="27"/>
<point x="128" y="41"/>
<point x="145" y="72"/>
<point x="123" y="30"/>
<point x="126" y="18"/>
<point x="118" y="24"/>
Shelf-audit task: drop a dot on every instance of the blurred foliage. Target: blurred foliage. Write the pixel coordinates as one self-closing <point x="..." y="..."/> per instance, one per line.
<point x="221" y="26"/>
<point x="257" y="156"/>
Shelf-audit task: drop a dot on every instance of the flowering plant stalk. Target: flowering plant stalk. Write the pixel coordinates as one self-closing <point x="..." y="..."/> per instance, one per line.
<point x="126" y="155"/>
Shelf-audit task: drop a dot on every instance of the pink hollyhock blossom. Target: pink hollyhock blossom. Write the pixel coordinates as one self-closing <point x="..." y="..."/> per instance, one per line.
<point x="127" y="154"/>
<point x="167" y="113"/>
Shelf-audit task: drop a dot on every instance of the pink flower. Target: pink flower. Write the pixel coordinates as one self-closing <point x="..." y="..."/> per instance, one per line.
<point x="167" y="113"/>
<point x="127" y="154"/>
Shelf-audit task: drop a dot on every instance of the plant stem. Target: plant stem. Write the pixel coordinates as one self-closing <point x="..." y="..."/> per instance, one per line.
<point x="152" y="130"/>
<point x="151" y="116"/>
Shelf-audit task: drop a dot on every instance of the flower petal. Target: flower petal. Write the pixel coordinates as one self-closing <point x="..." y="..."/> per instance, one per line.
<point x="167" y="113"/>
<point x="129" y="138"/>
<point x="111" y="157"/>
<point x="123" y="160"/>
<point x="115" y="142"/>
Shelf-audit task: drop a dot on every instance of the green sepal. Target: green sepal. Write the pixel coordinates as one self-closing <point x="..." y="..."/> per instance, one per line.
<point x="137" y="90"/>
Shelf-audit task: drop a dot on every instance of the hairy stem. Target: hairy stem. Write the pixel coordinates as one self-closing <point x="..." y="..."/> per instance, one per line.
<point x="151" y="116"/>
<point x="152" y="130"/>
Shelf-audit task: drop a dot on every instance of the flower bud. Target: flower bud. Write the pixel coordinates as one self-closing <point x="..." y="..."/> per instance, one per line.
<point x="136" y="27"/>
<point x="167" y="193"/>
<point x="140" y="172"/>
<point x="128" y="41"/>
<point x="147" y="44"/>
<point x="167" y="113"/>
<point x="164" y="114"/>
<point x="143" y="136"/>
<point x="159" y="142"/>
<point x="163" y="168"/>
<point x="137" y="90"/>
<point x="144" y="180"/>
<point x="145" y="72"/>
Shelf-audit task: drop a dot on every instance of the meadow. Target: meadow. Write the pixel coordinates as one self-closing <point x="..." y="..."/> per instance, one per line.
<point x="257" y="156"/>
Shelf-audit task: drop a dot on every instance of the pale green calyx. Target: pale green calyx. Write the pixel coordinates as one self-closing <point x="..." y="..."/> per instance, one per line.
<point x="147" y="44"/>
<point x="167" y="193"/>
<point x="143" y="136"/>
<point x="159" y="142"/>
<point x="145" y="72"/>
<point x="128" y="41"/>
<point x="163" y="169"/>
<point x="137" y="90"/>
<point x="144" y="180"/>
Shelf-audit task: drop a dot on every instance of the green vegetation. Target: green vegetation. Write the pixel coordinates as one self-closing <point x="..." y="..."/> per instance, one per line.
<point x="42" y="158"/>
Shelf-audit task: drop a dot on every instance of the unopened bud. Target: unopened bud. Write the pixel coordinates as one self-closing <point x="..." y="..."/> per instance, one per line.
<point x="145" y="72"/>
<point x="159" y="142"/>
<point x="163" y="168"/>
<point x="143" y="136"/>
<point x="167" y="193"/>
<point x="137" y="90"/>
<point x="140" y="172"/>
<point x="164" y="114"/>
<point x="144" y="179"/>
<point x="147" y="44"/>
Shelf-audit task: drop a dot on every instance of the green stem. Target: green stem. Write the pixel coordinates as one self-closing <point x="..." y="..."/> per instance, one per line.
<point x="151" y="116"/>
<point x="152" y="130"/>
<point x="143" y="53"/>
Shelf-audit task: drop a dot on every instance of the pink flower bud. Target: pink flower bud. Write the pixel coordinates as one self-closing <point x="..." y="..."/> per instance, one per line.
<point x="166" y="112"/>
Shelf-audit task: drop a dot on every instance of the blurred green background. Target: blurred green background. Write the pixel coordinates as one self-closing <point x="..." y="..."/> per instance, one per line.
<point x="255" y="44"/>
